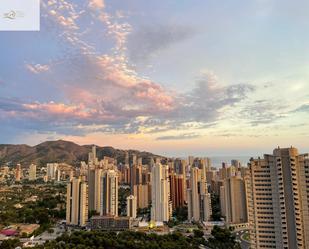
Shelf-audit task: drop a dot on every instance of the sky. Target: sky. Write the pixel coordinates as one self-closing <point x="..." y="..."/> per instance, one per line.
<point x="174" y="77"/>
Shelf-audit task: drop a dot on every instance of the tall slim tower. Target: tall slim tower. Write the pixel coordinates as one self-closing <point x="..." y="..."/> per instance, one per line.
<point x="109" y="197"/>
<point x="199" y="201"/>
<point x="77" y="203"/>
<point x="278" y="200"/>
<point x="161" y="207"/>
<point x="131" y="206"/>
<point x="52" y="170"/>
<point x="32" y="172"/>
<point x="18" y="173"/>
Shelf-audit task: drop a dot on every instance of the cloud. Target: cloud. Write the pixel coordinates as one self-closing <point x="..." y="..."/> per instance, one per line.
<point x="37" y="68"/>
<point x="262" y="112"/>
<point x="208" y="99"/>
<point x="179" y="137"/>
<point x="147" y="41"/>
<point x="96" y="4"/>
<point x="302" y="108"/>
<point x="101" y="92"/>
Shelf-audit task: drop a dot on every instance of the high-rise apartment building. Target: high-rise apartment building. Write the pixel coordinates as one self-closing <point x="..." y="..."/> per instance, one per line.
<point x="233" y="200"/>
<point x="18" y="173"/>
<point x="161" y="207"/>
<point x="278" y="200"/>
<point x="92" y="157"/>
<point x="52" y="171"/>
<point x="177" y="190"/>
<point x="95" y="189"/>
<point x="77" y="203"/>
<point x="131" y="206"/>
<point x="199" y="201"/>
<point x="32" y="172"/>
<point x="109" y="193"/>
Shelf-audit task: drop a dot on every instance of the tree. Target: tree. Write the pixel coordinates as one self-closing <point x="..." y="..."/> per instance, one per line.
<point x="10" y="244"/>
<point x="222" y="238"/>
<point x="181" y="213"/>
<point x="215" y="206"/>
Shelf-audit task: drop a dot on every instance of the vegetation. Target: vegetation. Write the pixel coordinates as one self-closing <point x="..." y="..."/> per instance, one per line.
<point x="10" y="244"/>
<point x="180" y="215"/>
<point x="34" y="204"/>
<point x="215" y="205"/>
<point x="123" y="193"/>
<point x="122" y="240"/>
<point x="222" y="238"/>
<point x="246" y="237"/>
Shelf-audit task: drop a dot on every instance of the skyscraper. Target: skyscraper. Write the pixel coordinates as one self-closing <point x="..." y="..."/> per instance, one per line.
<point x="109" y="197"/>
<point x="77" y="203"/>
<point x="177" y="191"/>
<point x="51" y="171"/>
<point x="92" y="157"/>
<point x="161" y="206"/>
<point x="277" y="199"/>
<point x="131" y="206"/>
<point x="233" y="200"/>
<point x="18" y="173"/>
<point x="32" y="172"/>
<point x="199" y="201"/>
<point x="95" y="189"/>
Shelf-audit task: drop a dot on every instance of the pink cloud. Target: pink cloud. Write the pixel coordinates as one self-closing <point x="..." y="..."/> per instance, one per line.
<point x="96" y="4"/>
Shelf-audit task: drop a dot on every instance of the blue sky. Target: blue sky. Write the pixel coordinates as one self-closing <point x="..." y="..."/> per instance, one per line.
<point x="173" y="77"/>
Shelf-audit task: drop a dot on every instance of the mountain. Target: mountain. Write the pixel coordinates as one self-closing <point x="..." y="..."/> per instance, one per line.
<point x="60" y="151"/>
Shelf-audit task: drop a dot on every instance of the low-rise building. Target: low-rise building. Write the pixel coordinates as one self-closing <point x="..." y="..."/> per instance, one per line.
<point x="111" y="223"/>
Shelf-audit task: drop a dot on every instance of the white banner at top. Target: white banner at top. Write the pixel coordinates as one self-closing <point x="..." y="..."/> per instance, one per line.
<point x="19" y="15"/>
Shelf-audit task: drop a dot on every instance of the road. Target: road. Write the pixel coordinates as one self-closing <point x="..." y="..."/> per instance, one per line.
<point x="239" y="237"/>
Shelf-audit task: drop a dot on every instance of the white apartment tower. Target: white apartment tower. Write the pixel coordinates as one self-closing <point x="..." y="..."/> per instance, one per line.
<point x="161" y="206"/>
<point x="77" y="203"/>
<point x="199" y="201"/>
<point x="278" y="200"/>
<point x="109" y="193"/>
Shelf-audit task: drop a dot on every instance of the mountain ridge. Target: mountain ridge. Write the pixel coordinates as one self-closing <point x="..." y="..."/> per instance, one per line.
<point x="60" y="151"/>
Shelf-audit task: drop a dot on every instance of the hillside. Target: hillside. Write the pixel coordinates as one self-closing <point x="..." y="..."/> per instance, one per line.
<point x="59" y="151"/>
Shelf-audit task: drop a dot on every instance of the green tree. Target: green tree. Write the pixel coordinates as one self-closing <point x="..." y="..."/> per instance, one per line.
<point x="10" y="244"/>
<point x="222" y="238"/>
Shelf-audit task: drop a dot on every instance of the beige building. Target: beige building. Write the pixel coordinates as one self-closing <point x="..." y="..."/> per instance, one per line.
<point x="77" y="203"/>
<point x="131" y="206"/>
<point x="109" y="190"/>
<point x="233" y="200"/>
<point x="18" y="173"/>
<point x="161" y="208"/>
<point x="95" y="189"/>
<point x="142" y="194"/>
<point x="32" y="172"/>
<point x="277" y="200"/>
<point x="199" y="201"/>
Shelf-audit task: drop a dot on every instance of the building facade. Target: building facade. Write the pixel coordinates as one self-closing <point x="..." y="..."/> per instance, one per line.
<point x="161" y="209"/>
<point x="199" y="200"/>
<point x="109" y="197"/>
<point x="77" y="203"/>
<point x="277" y="200"/>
